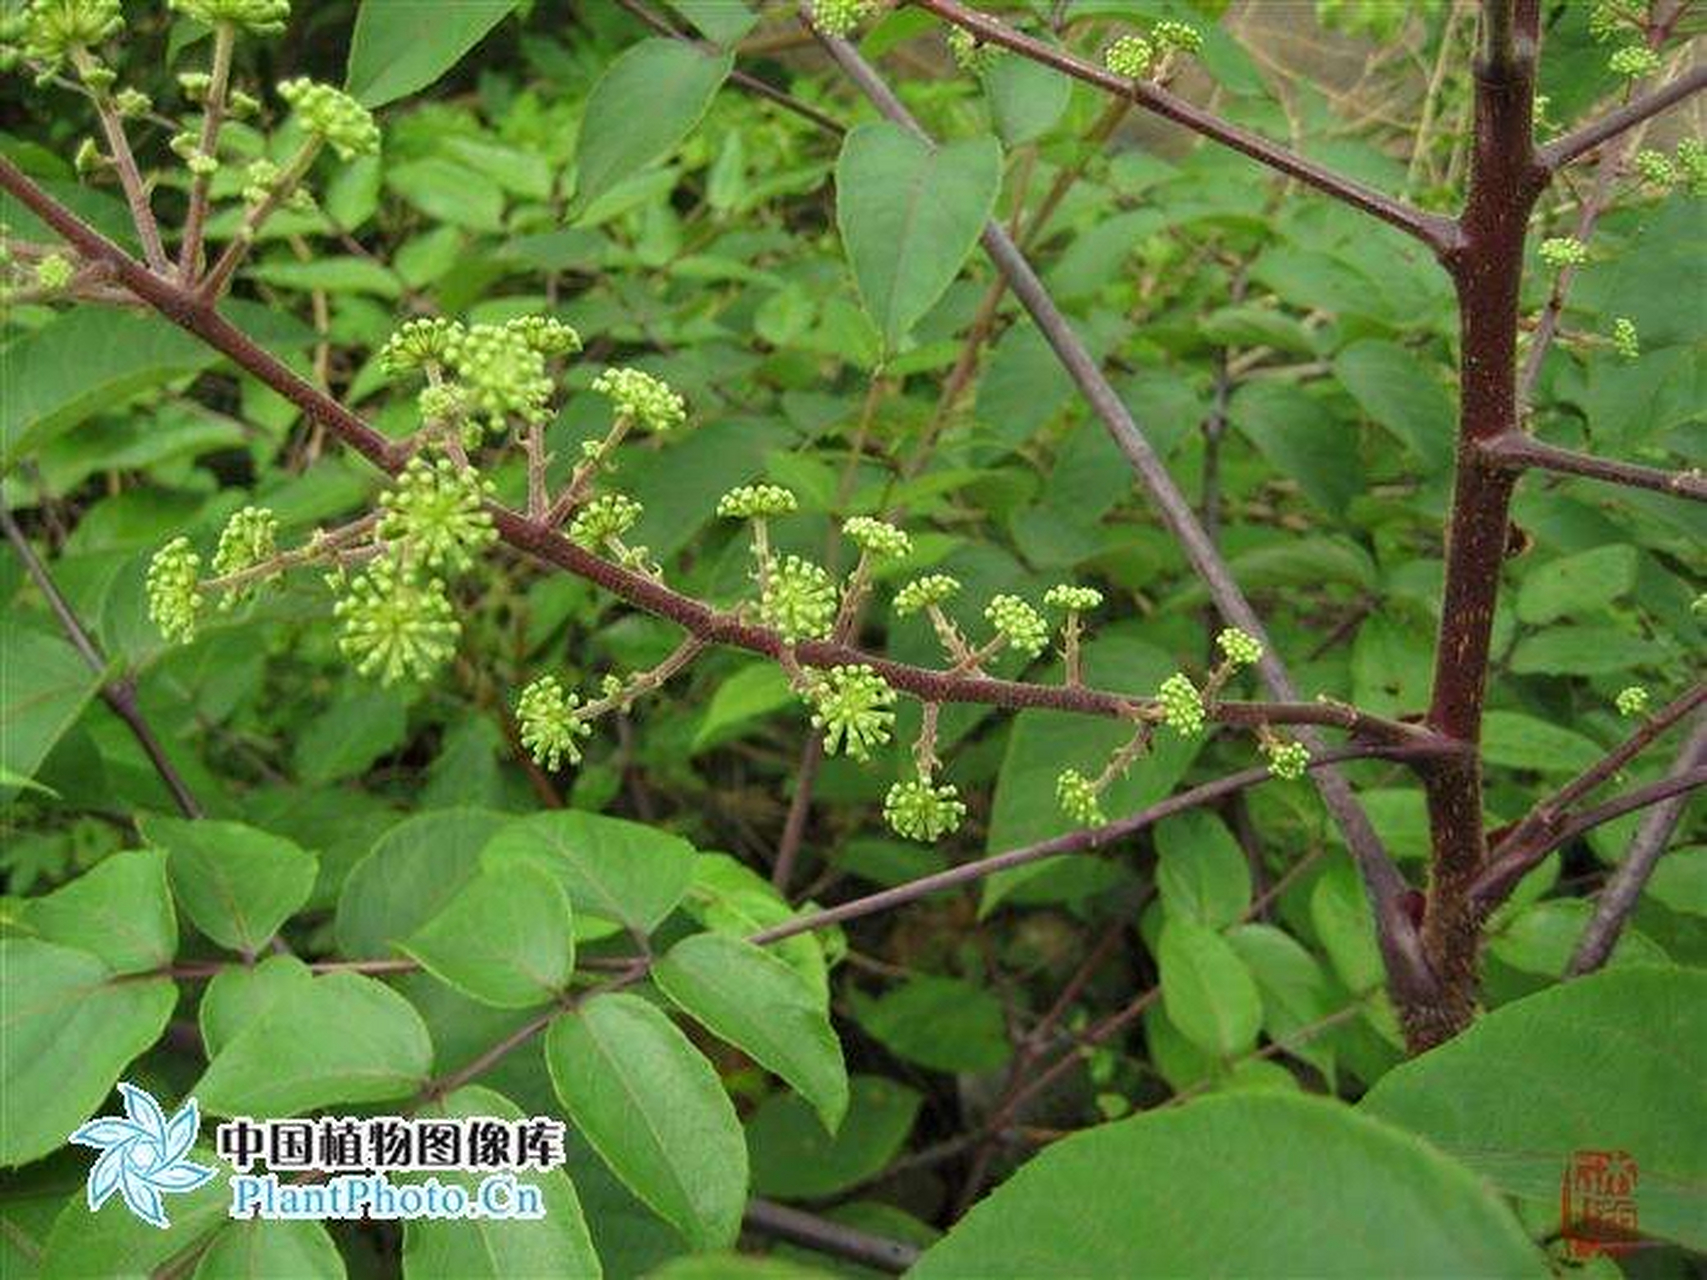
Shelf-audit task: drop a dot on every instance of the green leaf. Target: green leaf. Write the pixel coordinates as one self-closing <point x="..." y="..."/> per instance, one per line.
<point x="1394" y="387"/>
<point x="1609" y="1062"/>
<point x="624" y="872"/>
<point x="44" y="686"/>
<point x="399" y="47"/>
<point x="346" y="274"/>
<point x="1573" y="650"/>
<point x="240" y="993"/>
<point x="1542" y="937"/>
<point x="344" y="1037"/>
<point x="83" y="361"/>
<point x="732" y="898"/>
<point x="120" y="910"/>
<point x="945" y="1024"/>
<point x="909" y="213"/>
<point x="1208" y="993"/>
<point x="1293" y="987"/>
<point x="412" y="871"/>
<point x="794" y="1158"/>
<point x="506" y="939"/>
<point x="1026" y="98"/>
<point x="350" y="735"/>
<point x="261" y="1249"/>
<point x="722" y="21"/>
<point x="745" y="995"/>
<point x="485" y="1249"/>
<point x="1201" y="872"/>
<point x="1339" y="910"/>
<point x="1517" y="741"/>
<point x="642" y="107"/>
<point x="1299" y="437"/>
<point x="1241" y="1184"/>
<point x="238" y="884"/>
<point x="67" y="1031"/>
<point x="449" y="192"/>
<point x="655" y="1111"/>
<point x="755" y="690"/>
<point x="1576" y="585"/>
<point x="115" y="1242"/>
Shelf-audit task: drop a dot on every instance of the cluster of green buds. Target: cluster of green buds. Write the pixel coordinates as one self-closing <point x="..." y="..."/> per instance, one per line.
<point x="1135" y="56"/>
<point x="853" y="705"/>
<point x="1563" y="251"/>
<point x="1129" y="56"/>
<point x="258" y="17"/>
<point x="1181" y="705"/>
<point x="248" y="541"/>
<point x="396" y="623"/>
<point x="1287" y="760"/>
<point x="877" y="538"/>
<point x="55" y="272"/>
<point x="1239" y="648"/>
<point x="1607" y="19"/>
<point x="970" y="53"/>
<point x="1072" y="602"/>
<point x="1691" y="157"/>
<point x="923" y="810"/>
<point x="798" y="599"/>
<point x="1688" y="164"/>
<point x="332" y="116"/>
<point x="1633" y="61"/>
<point x="840" y="17"/>
<point x="55" y="32"/>
<point x="1654" y="167"/>
<point x="1079" y="799"/>
<point x="435" y="517"/>
<point x="1018" y="624"/>
<point x="551" y="731"/>
<point x="174" y="591"/>
<point x="639" y="396"/>
<point x="1632" y="700"/>
<point x="1625" y="340"/>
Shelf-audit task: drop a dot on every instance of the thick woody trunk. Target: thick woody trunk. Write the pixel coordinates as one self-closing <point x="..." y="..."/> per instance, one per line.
<point x="1487" y="268"/>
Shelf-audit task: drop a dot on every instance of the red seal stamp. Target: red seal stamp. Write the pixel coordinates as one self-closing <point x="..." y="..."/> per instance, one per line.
<point x="1597" y="1203"/>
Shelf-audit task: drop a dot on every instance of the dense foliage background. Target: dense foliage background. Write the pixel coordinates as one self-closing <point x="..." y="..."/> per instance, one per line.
<point x="1217" y="972"/>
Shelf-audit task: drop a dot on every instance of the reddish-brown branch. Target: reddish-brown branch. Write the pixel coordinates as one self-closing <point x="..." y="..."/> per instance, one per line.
<point x="1518" y="451"/>
<point x="1561" y="151"/>
<point x="1500" y="877"/>
<point x="1618" y="897"/>
<point x="1384" y="883"/>
<point x="119" y="694"/>
<point x="1439" y="233"/>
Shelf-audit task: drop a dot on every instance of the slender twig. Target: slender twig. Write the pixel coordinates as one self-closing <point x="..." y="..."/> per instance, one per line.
<point x="1439" y="233"/>
<point x="1618" y="897"/>
<point x="1382" y="879"/>
<point x="785" y="1222"/>
<point x="1560" y="152"/>
<point x="1519" y="451"/>
<point x="119" y="694"/>
<point x="130" y="176"/>
<point x="207" y="146"/>
<point x="1498" y="879"/>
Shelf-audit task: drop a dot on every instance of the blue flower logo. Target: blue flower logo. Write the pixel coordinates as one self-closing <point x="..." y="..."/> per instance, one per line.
<point x="143" y="1155"/>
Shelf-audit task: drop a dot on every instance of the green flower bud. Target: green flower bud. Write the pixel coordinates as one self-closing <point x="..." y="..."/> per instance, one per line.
<point x="1018" y="623"/>
<point x="502" y="373"/>
<point x="550" y="729"/>
<point x="1692" y="161"/>
<point x="416" y="343"/>
<point x="1631" y="700"/>
<point x="1625" y="339"/>
<point x="240" y="105"/>
<point x="917" y="810"/>
<point x="434" y="514"/>
<point x="877" y="538"/>
<point x="195" y="85"/>
<point x="756" y="501"/>
<point x="642" y="398"/>
<point x="1169" y="34"/>
<point x="608" y="516"/>
<point x="262" y="17"/>
<point x="920" y="593"/>
<point x="1655" y="167"/>
<point x="1077" y="796"/>
<point x="249" y="537"/>
<point x="971" y="54"/>
<point x="88" y="157"/>
<point x="548" y="336"/>
<point x="1071" y="599"/>
<point x="1129" y="56"/>
<point x="332" y="114"/>
<point x="132" y="102"/>
<point x="852" y="706"/>
<point x="1182" y="704"/>
<point x="55" y="272"/>
<point x="1287" y="760"/>
<point x="799" y="600"/>
<point x="1633" y="62"/>
<point x="258" y="180"/>
<point x="54" y="29"/>
<point x="174" y="592"/>
<point x="1241" y="647"/>
<point x="839" y="17"/>
<point x="396" y="625"/>
<point x="1561" y="251"/>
